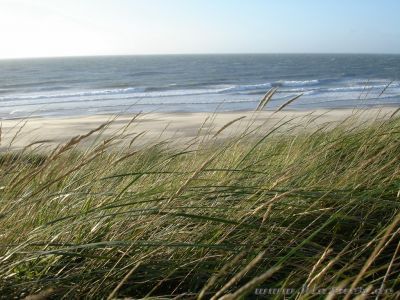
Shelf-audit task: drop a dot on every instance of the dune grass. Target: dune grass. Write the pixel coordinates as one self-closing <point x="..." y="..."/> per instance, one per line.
<point x="312" y="210"/>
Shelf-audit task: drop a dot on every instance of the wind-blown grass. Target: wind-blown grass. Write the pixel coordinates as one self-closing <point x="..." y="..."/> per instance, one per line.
<point x="315" y="209"/>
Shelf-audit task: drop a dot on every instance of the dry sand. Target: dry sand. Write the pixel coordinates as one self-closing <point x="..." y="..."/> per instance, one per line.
<point x="175" y="127"/>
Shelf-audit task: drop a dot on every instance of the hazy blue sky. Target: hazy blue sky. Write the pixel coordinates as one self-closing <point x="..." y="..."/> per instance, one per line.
<point x="31" y="28"/>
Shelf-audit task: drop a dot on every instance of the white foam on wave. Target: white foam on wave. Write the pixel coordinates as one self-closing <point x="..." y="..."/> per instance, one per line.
<point x="138" y="93"/>
<point x="295" y="83"/>
<point x="285" y="83"/>
<point x="363" y="88"/>
<point x="246" y="87"/>
<point x="75" y="94"/>
<point x="306" y="87"/>
<point x="368" y="81"/>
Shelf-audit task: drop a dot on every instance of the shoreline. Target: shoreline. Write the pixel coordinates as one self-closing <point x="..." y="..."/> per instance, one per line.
<point x="177" y="127"/>
<point x="179" y="112"/>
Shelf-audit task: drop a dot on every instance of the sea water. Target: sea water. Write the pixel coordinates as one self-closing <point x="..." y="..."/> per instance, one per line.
<point x="194" y="83"/>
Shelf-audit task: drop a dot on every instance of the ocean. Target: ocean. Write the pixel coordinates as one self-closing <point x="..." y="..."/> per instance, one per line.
<point x="194" y="83"/>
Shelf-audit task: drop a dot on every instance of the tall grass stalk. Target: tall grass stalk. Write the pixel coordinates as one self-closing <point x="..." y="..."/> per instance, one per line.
<point x="266" y="207"/>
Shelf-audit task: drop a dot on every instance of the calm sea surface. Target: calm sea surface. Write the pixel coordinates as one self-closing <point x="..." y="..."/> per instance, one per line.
<point x="174" y="83"/>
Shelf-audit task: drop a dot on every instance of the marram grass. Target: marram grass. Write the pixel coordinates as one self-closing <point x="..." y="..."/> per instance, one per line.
<point x="313" y="210"/>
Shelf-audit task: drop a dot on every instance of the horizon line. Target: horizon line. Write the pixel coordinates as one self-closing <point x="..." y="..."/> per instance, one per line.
<point x="193" y="54"/>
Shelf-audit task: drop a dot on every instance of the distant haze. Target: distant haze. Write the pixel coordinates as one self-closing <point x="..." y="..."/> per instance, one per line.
<point x="47" y="28"/>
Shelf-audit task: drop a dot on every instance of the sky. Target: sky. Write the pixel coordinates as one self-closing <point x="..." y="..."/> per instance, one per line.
<point x="48" y="28"/>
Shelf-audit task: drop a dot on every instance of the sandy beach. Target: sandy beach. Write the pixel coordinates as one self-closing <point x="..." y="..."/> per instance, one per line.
<point x="175" y="127"/>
